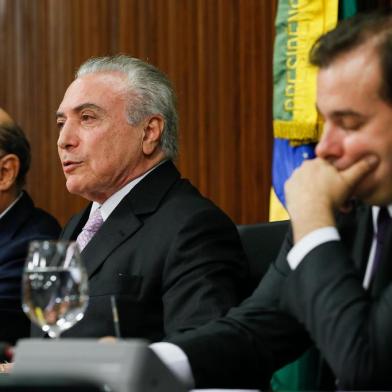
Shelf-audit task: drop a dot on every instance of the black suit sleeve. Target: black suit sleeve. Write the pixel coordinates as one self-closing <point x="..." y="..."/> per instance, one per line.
<point x="243" y="349"/>
<point x="353" y="331"/>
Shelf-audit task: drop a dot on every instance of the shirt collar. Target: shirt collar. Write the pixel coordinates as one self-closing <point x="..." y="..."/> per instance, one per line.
<point x="110" y="204"/>
<point x="375" y="211"/>
<point x="11" y="205"/>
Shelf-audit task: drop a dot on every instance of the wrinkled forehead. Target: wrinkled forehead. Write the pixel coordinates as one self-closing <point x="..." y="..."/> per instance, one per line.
<point x="99" y="88"/>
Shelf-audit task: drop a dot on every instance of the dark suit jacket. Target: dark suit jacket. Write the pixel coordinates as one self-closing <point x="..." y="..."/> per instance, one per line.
<point x="321" y="302"/>
<point x="170" y="257"/>
<point x="20" y="225"/>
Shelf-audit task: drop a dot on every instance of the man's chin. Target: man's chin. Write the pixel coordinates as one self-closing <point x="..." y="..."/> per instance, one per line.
<point x="375" y="198"/>
<point x="73" y="187"/>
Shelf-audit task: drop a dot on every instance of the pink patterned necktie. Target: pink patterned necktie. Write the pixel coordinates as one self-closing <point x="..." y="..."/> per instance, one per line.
<point x="90" y="228"/>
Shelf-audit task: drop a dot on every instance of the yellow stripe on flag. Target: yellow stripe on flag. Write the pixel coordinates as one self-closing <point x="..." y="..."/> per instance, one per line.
<point x="306" y="21"/>
<point x="277" y="212"/>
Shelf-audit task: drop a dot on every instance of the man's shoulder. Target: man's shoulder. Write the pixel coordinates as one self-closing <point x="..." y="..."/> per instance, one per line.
<point x="28" y="223"/>
<point x="164" y="190"/>
<point x="45" y="221"/>
<point x="35" y="220"/>
<point x="184" y="206"/>
<point x="40" y="225"/>
<point x="186" y="196"/>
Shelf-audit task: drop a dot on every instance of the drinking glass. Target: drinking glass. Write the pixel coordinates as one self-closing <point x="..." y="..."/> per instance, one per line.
<point x="55" y="288"/>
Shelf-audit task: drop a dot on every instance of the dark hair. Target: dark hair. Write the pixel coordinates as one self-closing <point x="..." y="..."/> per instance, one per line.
<point x="375" y="27"/>
<point x="14" y="141"/>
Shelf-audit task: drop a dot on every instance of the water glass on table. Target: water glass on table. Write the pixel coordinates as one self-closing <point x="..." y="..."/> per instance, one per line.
<point x="55" y="286"/>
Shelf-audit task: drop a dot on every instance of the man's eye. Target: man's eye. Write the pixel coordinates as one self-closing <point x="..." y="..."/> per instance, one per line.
<point x="87" y="117"/>
<point x="60" y="124"/>
<point x="351" y="125"/>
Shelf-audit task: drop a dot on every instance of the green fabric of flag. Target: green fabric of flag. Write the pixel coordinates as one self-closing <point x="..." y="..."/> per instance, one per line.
<point x="347" y="8"/>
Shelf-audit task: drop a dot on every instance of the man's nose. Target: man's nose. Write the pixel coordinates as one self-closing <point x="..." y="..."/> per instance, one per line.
<point x="67" y="137"/>
<point x="330" y="146"/>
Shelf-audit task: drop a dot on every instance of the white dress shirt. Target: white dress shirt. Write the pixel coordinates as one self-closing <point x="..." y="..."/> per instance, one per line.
<point x="110" y="204"/>
<point x="326" y="234"/>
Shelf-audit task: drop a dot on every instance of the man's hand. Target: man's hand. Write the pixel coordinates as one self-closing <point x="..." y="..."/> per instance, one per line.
<point x="317" y="189"/>
<point x="6" y="368"/>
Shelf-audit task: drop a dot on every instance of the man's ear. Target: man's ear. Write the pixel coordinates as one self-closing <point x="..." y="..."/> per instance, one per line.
<point x="9" y="169"/>
<point x="152" y="134"/>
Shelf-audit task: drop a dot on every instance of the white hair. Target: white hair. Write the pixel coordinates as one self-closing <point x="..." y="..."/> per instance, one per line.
<point x="150" y="90"/>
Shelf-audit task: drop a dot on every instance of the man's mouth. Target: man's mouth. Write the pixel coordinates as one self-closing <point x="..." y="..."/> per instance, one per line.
<point x="69" y="166"/>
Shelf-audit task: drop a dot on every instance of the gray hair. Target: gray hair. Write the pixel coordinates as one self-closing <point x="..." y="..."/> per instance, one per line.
<point x="151" y="93"/>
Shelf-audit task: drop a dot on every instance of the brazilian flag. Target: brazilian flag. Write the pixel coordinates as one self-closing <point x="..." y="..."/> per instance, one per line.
<point x="297" y="127"/>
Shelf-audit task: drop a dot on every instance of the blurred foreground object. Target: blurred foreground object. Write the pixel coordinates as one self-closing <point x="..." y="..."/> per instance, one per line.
<point x="121" y="367"/>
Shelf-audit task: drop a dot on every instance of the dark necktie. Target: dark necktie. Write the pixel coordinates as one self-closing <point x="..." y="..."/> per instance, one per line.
<point x="383" y="222"/>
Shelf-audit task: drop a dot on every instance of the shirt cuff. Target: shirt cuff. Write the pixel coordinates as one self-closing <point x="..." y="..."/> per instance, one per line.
<point x="176" y="360"/>
<point x="310" y="242"/>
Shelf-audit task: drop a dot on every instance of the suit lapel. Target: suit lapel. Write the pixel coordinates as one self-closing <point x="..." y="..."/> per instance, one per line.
<point x="121" y="224"/>
<point x="75" y="225"/>
<point x="363" y="238"/>
<point x="356" y="231"/>
<point x="15" y="218"/>
<point x="361" y="250"/>
<point x="126" y="218"/>
<point x="383" y="274"/>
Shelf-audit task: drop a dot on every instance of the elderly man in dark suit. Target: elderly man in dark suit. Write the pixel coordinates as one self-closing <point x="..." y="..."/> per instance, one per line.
<point x="20" y="223"/>
<point x="331" y="285"/>
<point x="168" y="256"/>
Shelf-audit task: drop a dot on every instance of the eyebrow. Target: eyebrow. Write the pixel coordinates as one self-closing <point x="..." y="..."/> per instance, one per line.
<point x="342" y="113"/>
<point x="346" y="113"/>
<point x="81" y="107"/>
